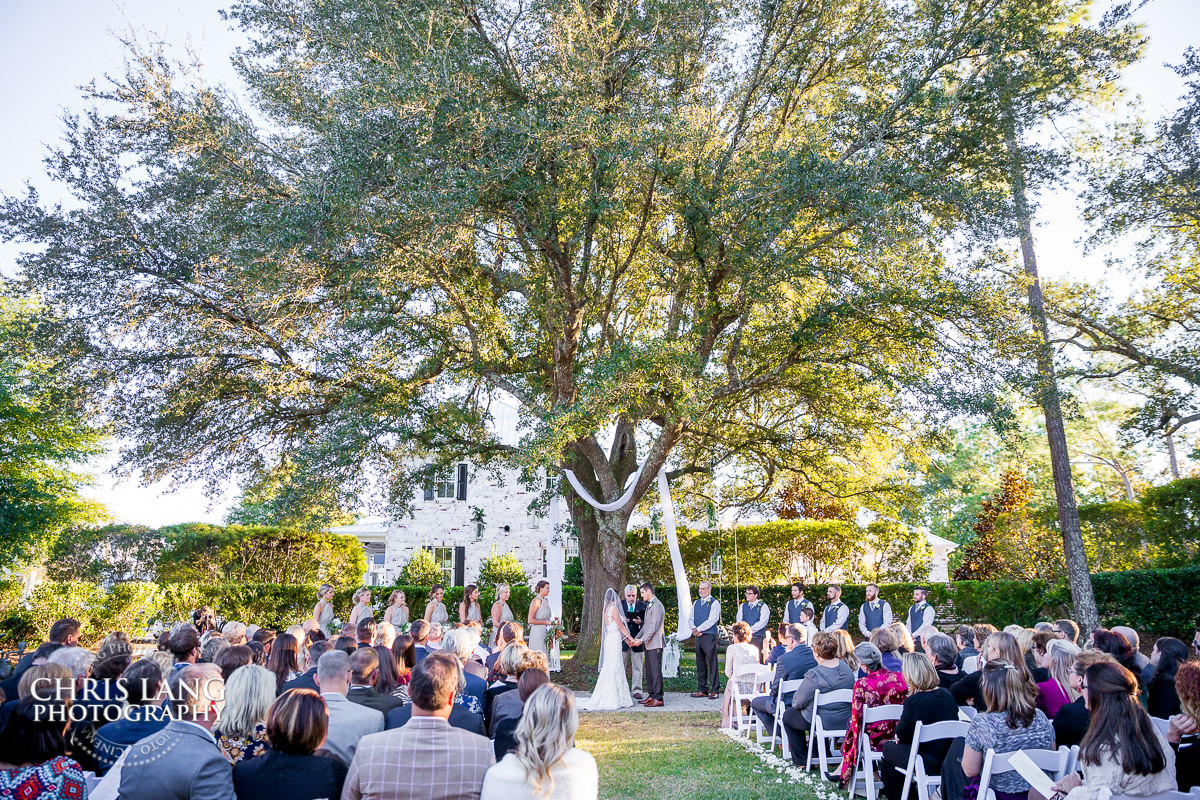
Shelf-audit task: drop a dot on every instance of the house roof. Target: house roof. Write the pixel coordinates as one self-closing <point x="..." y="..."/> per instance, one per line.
<point x="370" y="529"/>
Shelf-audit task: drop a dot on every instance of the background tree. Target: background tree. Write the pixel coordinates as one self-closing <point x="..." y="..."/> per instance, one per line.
<point x="422" y="569"/>
<point x="274" y="498"/>
<point x="681" y="236"/>
<point x="107" y="554"/>
<point x="894" y="553"/>
<point x="45" y="436"/>
<point x="984" y="557"/>
<point x="197" y="552"/>
<point x="500" y="568"/>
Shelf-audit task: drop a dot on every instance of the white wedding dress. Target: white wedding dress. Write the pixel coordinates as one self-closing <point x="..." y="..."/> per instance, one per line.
<point x="612" y="690"/>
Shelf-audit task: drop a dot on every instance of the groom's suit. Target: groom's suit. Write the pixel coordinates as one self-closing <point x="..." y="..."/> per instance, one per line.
<point x="652" y="638"/>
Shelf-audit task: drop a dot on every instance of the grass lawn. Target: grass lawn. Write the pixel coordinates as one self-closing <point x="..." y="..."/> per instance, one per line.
<point x="677" y="757"/>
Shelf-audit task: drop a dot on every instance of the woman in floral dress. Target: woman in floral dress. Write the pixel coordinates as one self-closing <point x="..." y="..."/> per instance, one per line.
<point x="880" y="687"/>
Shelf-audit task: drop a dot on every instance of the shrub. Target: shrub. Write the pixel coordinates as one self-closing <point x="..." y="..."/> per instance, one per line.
<point x="421" y="570"/>
<point x="236" y="554"/>
<point x="501" y="568"/>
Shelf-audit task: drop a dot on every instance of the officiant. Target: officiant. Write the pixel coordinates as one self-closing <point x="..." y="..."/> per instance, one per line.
<point x="636" y="655"/>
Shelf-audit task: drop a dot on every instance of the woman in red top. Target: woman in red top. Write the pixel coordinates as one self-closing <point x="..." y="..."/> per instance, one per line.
<point x="879" y="687"/>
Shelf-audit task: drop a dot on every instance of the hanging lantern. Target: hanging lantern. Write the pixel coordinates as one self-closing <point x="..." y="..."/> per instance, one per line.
<point x="656" y="533"/>
<point x="716" y="564"/>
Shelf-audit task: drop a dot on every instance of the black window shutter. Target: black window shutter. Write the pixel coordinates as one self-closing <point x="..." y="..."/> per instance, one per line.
<point x="460" y="565"/>
<point x="429" y="491"/>
<point x="462" y="483"/>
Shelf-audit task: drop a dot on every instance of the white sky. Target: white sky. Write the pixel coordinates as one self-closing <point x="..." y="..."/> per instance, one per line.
<point x="50" y="47"/>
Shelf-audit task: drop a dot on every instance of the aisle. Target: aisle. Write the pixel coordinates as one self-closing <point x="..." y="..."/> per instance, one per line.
<point x="674" y="701"/>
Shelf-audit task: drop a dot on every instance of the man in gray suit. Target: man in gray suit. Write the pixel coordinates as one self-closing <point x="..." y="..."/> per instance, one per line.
<point x="348" y="722"/>
<point x="652" y="637"/>
<point x="182" y="760"/>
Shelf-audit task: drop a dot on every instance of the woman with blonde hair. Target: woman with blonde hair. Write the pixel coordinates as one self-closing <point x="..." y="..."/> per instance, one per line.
<point x="396" y="613"/>
<point x="362" y="607"/>
<point x="323" y="611"/>
<point x="1011" y="722"/>
<point x="927" y="702"/>
<point x="547" y="765"/>
<point x="845" y="649"/>
<point x="385" y="634"/>
<point x="501" y="613"/>
<point x="739" y="653"/>
<point x="998" y="645"/>
<point x="241" y="732"/>
<point x="1057" y="657"/>
<point x="904" y="638"/>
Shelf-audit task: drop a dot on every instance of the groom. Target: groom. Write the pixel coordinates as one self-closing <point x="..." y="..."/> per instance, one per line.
<point x="652" y="637"/>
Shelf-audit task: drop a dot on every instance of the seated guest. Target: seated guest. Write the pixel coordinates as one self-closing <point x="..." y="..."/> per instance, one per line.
<point x="231" y="658"/>
<point x="1068" y="629"/>
<point x="405" y="657"/>
<point x="904" y="638"/>
<point x="885" y="639"/>
<point x="460" y="717"/>
<point x="1118" y="647"/>
<point x="792" y="666"/>
<point x="964" y="639"/>
<point x="419" y="630"/>
<point x="546" y="764"/>
<point x="927" y="702"/>
<point x="1123" y="751"/>
<point x="940" y="648"/>
<point x="308" y="678"/>
<point x="460" y="642"/>
<point x="1186" y="723"/>
<point x="365" y="632"/>
<point x="63" y="633"/>
<point x="1072" y="720"/>
<point x="385" y="634"/>
<point x="285" y="660"/>
<point x="387" y="677"/>
<point x="982" y="632"/>
<point x="1011" y="722"/>
<point x="845" y="650"/>
<point x="782" y="646"/>
<point x="211" y="649"/>
<point x="182" y="760"/>
<point x="505" y="702"/>
<point x="234" y="633"/>
<point x="291" y="768"/>
<point x="830" y="674"/>
<point x="475" y="664"/>
<point x="1024" y="637"/>
<point x="95" y="701"/>
<point x="1131" y="636"/>
<point x="999" y="645"/>
<point x="346" y="644"/>
<point x="266" y="638"/>
<point x="364" y="669"/>
<point x="142" y="683"/>
<point x="348" y="722"/>
<point x="33" y="752"/>
<point x="506" y="729"/>
<point x="1058" y="659"/>
<point x="1159" y="677"/>
<point x="241" y="732"/>
<point x="878" y="687"/>
<point x="739" y="653"/>
<point x="434" y="641"/>
<point x="509" y="632"/>
<point x="426" y="757"/>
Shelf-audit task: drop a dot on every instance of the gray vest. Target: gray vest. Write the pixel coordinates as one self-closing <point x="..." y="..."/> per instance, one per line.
<point x="873" y="616"/>
<point x="750" y="614"/>
<point x="831" y="612"/>
<point x="700" y="616"/>
<point x="915" y="618"/>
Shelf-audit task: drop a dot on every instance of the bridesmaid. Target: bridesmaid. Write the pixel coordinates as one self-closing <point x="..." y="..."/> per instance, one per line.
<point x="397" y="609"/>
<point x="362" y="606"/>
<point x="501" y="613"/>
<point x="323" y="611"/>
<point x="539" y="617"/>
<point x="469" y="609"/>
<point x="435" y="609"/>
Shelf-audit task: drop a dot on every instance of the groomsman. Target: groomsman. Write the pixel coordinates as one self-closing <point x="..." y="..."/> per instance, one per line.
<point x="920" y="614"/>
<point x="706" y="616"/>
<point x="791" y="613"/>
<point x="635" y="654"/>
<point x="875" y="613"/>
<point x="837" y="613"/>
<point x="755" y="614"/>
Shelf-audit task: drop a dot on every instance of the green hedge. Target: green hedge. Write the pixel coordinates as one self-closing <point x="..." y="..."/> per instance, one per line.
<point x="1161" y="602"/>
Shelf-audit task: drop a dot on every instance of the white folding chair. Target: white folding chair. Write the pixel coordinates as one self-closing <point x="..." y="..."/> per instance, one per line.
<point x="923" y="734"/>
<point x="820" y="737"/>
<point x="741" y="721"/>
<point x="868" y="758"/>
<point x="1052" y="762"/>
<point x="970" y="664"/>
<point x="785" y="687"/>
<point x="967" y="713"/>
<point x="1194" y="794"/>
<point x="1073" y="760"/>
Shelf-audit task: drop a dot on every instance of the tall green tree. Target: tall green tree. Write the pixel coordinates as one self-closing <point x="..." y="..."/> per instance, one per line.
<point x="45" y="436"/>
<point x="679" y="234"/>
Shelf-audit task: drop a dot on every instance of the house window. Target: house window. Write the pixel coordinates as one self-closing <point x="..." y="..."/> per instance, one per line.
<point x="444" y="558"/>
<point x="572" y="547"/>
<point x="551" y="483"/>
<point x="449" y="485"/>
<point x="444" y="487"/>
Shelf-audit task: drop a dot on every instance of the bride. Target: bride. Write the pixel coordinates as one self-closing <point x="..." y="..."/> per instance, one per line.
<point x="612" y="691"/>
